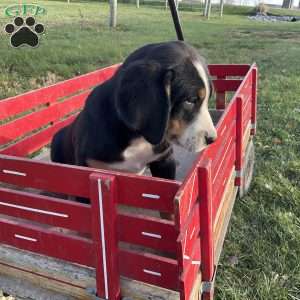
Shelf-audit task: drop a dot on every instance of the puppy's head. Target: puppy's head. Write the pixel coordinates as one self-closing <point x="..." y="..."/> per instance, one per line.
<point x="166" y="97"/>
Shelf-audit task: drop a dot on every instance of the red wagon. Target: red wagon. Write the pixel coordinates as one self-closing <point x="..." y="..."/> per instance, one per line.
<point x="175" y="259"/>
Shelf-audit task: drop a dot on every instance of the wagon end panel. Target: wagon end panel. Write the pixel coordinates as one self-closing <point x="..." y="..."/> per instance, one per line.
<point x="226" y="78"/>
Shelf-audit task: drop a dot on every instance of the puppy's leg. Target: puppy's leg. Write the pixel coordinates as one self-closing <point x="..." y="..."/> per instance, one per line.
<point x="57" y="150"/>
<point x="165" y="168"/>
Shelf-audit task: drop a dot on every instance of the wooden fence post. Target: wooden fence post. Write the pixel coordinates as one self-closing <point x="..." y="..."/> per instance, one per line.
<point x="103" y="195"/>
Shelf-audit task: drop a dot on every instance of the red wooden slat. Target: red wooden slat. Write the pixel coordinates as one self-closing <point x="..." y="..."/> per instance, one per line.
<point x="185" y="199"/>
<point x="105" y="238"/>
<point x="239" y="139"/>
<point x="35" y="120"/>
<point x="228" y="70"/>
<point x="191" y="273"/>
<point x="226" y="85"/>
<point x="222" y="149"/>
<point x="36" y="239"/>
<point x="36" y="141"/>
<point x="247" y="116"/>
<point x="46" y="210"/>
<point x="206" y="222"/>
<point x="147" y="231"/>
<point x="223" y="130"/>
<point x="221" y="96"/>
<point x="221" y="180"/>
<point x="47" y="176"/>
<point x="187" y="238"/>
<point x="254" y="97"/>
<point x="147" y="193"/>
<point x="15" y="105"/>
<point x="149" y="268"/>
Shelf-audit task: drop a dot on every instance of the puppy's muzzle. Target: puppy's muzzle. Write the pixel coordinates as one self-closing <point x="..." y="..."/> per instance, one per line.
<point x="210" y="139"/>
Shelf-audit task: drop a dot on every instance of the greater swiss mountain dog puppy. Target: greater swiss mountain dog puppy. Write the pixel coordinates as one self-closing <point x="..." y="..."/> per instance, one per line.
<point x="159" y="96"/>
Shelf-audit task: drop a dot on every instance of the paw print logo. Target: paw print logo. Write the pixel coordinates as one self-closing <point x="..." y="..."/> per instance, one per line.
<point x="24" y="33"/>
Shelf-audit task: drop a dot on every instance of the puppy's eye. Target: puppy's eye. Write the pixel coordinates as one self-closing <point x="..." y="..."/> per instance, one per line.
<point x="189" y="103"/>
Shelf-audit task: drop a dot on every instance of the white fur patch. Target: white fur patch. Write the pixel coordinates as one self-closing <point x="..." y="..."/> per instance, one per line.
<point x="193" y="139"/>
<point x="136" y="158"/>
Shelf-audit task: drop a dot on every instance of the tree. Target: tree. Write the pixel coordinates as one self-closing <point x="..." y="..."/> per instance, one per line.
<point x="287" y="4"/>
<point x="113" y="13"/>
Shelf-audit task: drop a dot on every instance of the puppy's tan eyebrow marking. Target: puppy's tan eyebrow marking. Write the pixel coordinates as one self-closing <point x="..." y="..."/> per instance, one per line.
<point x="202" y="93"/>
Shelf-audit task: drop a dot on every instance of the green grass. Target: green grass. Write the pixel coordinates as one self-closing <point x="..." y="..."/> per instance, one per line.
<point x="261" y="256"/>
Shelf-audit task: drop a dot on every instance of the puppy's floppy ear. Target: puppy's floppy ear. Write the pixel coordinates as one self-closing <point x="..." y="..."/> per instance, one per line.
<point x="143" y="99"/>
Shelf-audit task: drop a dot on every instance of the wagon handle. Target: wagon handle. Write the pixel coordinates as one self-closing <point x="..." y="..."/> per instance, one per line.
<point x="176" y="20"/>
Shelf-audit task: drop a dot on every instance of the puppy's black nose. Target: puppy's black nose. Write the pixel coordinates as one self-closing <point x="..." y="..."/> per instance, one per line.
<point x="209" y="140"/>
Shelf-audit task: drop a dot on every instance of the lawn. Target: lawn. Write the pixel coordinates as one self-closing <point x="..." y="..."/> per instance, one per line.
<point x="261" y="257"/>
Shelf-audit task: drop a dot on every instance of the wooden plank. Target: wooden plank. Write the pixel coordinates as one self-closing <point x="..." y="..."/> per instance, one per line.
<point x="206" y="221"/>
<point x="220" y="95"/>
<point x="149" y="268"/>
<point x="147" y="192"/>
<point x="137" y="290"/>
<point x="68" y="280"/>
<point x="44" y="176"/>
<point x="196" y="290"/>
<point x="191" y="273"/>
<point x="239" y="139"/>
<point x="21" y="126"/>
<point x="221" y="236"/>
<point x="36" y="141"/>
<point x="37" y="239"/>
<point x="222" y="209"/>
<point x="222" y="178"/>
<point x="228" y="70"/>
<point x="226" y="85"/>
<point x="187" y="238"/>
<point x="246" y="137"/>
<point x="147" y="231"/>
<point x="254" y="97"/>
<point x="105" y="237"/>
<point x="134" y="190"/>
<point x="186" y="197"/>
<point x="40" y="286"/>
<point x="222" y="147"/>
<point x="46" y="210"/>
<point x="17" y="104"/>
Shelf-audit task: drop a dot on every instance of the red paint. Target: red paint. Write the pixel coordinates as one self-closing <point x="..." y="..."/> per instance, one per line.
<point x="254" y="98"/>
<point x="239" y="139"/>
<point x="206" y="221"/>
<point x="36" y="141"/>
<point x="18" y="104"/>
<point x="147" y="231"/>
<point x="46" y="210"/>
<point x="104" y="221"/>
<point x="24" y="125"/>
<point x="47" y="242"/>
<point x="140" y="265"/>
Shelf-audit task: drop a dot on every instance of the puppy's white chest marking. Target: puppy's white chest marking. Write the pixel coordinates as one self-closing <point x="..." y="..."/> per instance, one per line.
<point x="136" y="157"/>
